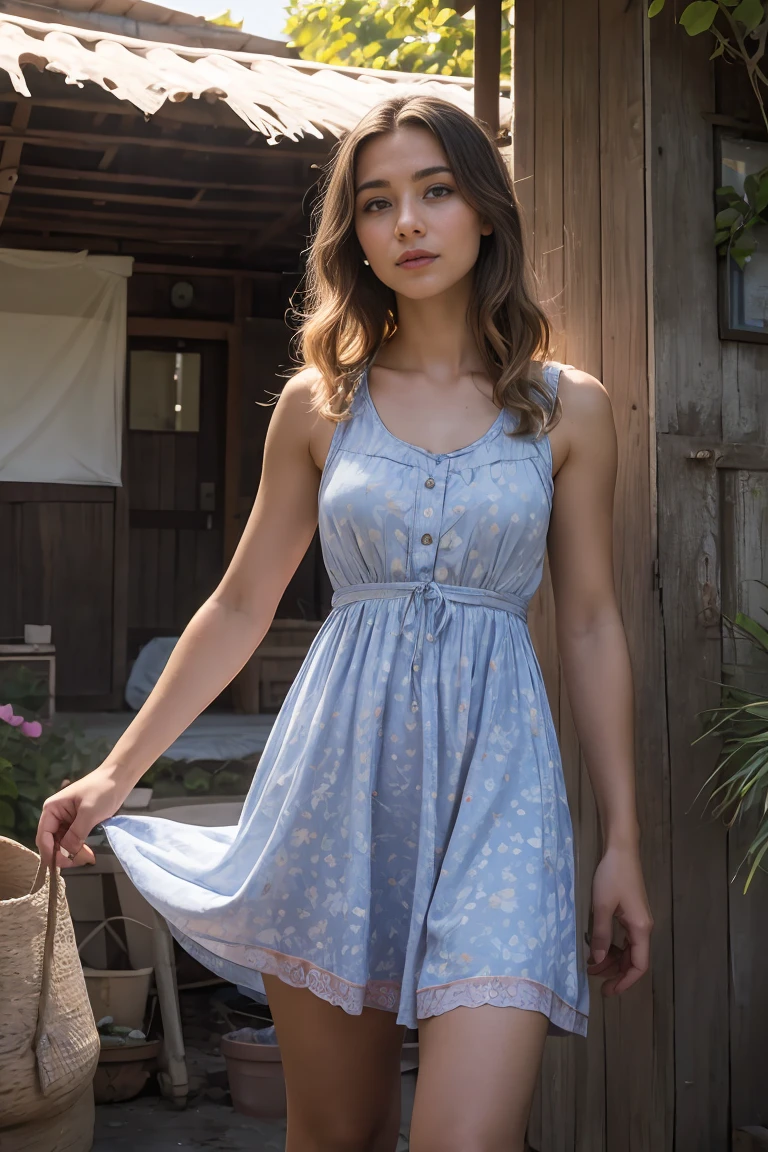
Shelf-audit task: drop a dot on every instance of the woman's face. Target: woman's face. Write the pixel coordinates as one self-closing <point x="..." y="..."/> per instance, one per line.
<point x="407" y="202"/>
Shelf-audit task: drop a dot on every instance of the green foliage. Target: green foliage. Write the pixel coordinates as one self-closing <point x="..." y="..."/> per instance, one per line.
<point x="740" y="28"/>
<point x="411" y="36"/>
<point x="32" y="769"/>
<point x="170" y="778"/>
<point x="740" y="780"/>
<point x="739" y="215"/>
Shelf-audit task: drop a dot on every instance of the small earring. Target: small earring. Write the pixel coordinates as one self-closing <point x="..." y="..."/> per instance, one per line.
<point x="367" y="264"/>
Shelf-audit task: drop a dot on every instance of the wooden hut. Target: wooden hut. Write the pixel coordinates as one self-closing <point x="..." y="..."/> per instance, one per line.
<point x="195" y="151"/>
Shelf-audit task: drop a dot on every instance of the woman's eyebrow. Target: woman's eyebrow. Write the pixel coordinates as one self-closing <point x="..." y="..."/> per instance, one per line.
<point x="420" y="175"/>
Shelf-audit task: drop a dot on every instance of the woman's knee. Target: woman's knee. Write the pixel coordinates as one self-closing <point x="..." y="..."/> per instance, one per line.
<point x="457" y="1141"/>
<point x="342" y="1134"/>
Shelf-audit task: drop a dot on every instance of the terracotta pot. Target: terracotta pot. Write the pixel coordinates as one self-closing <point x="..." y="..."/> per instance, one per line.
<point x="255" y="1078"/>
<point x="123" y="1071"/>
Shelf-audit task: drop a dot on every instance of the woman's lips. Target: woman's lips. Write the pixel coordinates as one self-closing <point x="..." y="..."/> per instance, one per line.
<point x="417" y="262"/>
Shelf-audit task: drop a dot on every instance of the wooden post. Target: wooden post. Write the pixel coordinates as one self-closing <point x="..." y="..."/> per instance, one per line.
<point x="232" y="525"/>
<point x="487" y="62"/>
<point x="10" y="154"/>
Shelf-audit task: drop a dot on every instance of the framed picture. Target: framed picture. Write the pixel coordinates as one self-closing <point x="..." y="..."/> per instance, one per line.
<point x="743" y="293"/>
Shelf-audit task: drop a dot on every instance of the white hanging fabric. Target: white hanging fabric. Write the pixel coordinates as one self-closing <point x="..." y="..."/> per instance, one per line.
<point x="62" y="366"/>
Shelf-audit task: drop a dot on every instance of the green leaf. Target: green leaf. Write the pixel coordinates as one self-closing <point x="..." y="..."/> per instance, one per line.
<point x="721" y="237"/>
<point x="8" y="787"/>
<point x="196" y="779"/>
<point x="7" y="815"/>
<point x="656" y="7"/>
<point x="718" y="51"/>
<point x="699" y="16"/>
<point x="755" y="630"/>
<point x="761" y="197"/>
<point x="749" y="13"/>
<point x="727" y="217"/>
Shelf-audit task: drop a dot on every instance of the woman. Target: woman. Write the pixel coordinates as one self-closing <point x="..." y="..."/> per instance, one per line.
<point x="405" y="852"/>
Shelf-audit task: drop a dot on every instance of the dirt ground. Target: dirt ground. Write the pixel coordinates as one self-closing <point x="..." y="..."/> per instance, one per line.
<point x="149" y="1124"/>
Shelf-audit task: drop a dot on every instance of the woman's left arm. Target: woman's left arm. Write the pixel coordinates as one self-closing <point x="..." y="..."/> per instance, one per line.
<point x="596" y="667"/>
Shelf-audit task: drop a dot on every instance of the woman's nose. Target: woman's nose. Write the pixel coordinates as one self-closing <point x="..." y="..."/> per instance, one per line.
<point x="408" y="223"/>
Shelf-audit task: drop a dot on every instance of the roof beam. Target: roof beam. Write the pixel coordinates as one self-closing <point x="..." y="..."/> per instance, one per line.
<point x="254" y="223"/>
<point x="10" y="155"/>
<point x="158" y="235"/>
<point x="98" y="177"/>
<point x="96" y="142"/>
<point x="487" y="62"/>
<point x="160" y="201"/>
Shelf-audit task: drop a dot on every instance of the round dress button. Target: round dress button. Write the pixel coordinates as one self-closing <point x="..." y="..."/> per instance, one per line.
<point x="429" y="483"/>
<point x="426" y="538"/>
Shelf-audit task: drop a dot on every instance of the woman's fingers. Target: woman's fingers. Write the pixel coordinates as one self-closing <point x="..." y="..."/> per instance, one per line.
<point x="84" y="855"/>
<point x="634" y="961"/>
<point x="602" y="930"/>
<point x="609" y="966"/>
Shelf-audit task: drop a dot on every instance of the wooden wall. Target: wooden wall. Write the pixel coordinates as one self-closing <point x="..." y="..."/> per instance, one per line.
<point x="713" y="511"/>
<point x="579" y="167"/>
<point x="615" y="167"/>
<point x="68" y="551"/>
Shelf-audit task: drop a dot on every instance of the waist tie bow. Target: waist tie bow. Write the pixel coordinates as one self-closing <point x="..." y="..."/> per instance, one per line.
<point x="419" y="592"/>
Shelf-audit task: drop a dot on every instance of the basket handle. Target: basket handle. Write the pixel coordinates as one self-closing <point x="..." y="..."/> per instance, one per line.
<point x="50" y="936"/>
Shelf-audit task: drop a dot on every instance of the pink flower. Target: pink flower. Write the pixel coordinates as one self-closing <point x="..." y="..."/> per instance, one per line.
<point x="6" y="714"/>
<point x="31" y="728"/>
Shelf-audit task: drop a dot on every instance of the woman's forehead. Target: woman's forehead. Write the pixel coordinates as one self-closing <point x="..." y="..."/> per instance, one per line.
<point x="404" y="150"/>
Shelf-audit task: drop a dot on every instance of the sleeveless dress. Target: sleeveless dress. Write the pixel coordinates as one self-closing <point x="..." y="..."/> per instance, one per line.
<point x="406" y="843"/>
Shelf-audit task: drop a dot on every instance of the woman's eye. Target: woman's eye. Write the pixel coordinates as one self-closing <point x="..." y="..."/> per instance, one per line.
<point x="440" y="188"/>
<point x="375" y="204"/>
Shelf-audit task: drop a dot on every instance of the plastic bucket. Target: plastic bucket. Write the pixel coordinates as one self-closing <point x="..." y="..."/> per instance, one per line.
<point x="255" y="1078"/>
<point x="121" y="995"/>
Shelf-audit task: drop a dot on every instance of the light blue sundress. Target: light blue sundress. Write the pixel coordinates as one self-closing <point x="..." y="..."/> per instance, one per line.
<point x="406" y="843"/>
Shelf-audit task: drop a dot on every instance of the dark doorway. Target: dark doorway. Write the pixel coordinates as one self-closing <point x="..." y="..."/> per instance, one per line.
<point x="176" y="402"/>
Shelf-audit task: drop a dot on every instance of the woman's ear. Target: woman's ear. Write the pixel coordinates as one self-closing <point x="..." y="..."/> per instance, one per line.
<point x="486" y="228"/>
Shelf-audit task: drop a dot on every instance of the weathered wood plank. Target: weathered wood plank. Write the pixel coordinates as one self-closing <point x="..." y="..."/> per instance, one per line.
<point x="689" y="554"/>
<point x="638" y="1025"/>
<point x="66" y="557"/>
<point x="687" y="348"/>
<point x="745" y="562"/>
<point x="583" y="348"/>
<point x="524" y="136"/>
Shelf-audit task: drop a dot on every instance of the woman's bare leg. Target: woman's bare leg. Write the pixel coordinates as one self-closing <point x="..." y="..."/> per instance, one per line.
<point x="342" y="1072"/>
<point x="477" y="1072"/>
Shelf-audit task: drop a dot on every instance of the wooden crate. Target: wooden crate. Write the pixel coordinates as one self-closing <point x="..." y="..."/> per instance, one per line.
<point x="264" y="681"/>
<point x="42" y="656"/>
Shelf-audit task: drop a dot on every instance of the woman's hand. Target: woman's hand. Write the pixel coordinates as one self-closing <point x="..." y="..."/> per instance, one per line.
<point x="70" y="815"/>
<point x="618" y="890"/>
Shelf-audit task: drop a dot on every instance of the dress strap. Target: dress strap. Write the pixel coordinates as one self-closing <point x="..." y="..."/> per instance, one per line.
<point x="551" y="370"/>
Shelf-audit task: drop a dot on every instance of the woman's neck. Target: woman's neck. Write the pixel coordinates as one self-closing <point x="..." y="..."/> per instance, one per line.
<point x="433" y="338"/>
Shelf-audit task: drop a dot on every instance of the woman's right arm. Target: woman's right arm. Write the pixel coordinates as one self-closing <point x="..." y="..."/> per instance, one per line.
<point x="220" y="637"/>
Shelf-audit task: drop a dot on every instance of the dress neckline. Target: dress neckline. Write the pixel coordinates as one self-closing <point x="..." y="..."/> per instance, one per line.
<point x="494" y="429"/>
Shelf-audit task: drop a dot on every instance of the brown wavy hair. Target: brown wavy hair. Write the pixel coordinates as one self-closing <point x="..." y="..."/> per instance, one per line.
<point x="349" y="313"/>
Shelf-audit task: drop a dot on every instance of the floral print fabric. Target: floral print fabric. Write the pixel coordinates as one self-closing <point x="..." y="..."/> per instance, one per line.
<point x="406" y="842"/>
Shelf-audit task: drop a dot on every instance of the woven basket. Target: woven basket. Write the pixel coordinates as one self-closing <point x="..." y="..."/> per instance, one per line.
<point x="49" y="1046"/>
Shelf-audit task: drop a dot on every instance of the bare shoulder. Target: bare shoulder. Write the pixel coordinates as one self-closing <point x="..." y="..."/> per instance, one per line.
<point x="296" y="416"/>
<point x="587" y="411"/>
<point x="296" y="395"/>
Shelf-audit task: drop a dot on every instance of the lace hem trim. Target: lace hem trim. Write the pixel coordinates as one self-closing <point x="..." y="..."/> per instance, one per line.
<point x="512" y="991"/>
<point x="504" y="991"/>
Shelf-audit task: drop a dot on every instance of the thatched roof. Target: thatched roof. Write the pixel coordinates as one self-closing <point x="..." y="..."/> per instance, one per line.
<point x="275" y="96"/>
